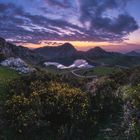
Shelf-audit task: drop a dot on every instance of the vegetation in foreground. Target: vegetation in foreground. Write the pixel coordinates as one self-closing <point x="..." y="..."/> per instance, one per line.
<point x="45" y="106"/>
<point x="6" y="75"/>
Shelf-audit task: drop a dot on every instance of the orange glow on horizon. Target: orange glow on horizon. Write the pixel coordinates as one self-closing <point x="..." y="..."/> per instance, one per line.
<point x="80" y="45"/>
<point x="128" y="45"/>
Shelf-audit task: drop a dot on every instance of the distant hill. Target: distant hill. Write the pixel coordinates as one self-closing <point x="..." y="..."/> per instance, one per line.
<point x="96" y="51"/>
<point x="133" y="53"/>
<point x="99" y="52"/>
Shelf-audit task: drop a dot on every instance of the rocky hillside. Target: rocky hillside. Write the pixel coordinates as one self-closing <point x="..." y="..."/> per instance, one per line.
<point x="18" y="65"/>
<point x="9" y="50"/>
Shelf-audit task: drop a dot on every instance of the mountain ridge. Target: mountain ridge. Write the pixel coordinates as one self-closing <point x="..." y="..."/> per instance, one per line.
<point x="66" y="54"/>
<point x="133" y="53"/>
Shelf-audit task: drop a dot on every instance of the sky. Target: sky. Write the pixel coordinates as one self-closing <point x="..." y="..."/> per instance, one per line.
<point x="111" y="24"/>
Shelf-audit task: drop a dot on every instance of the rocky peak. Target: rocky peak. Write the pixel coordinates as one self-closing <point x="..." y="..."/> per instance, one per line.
<point x="67" y="46"/>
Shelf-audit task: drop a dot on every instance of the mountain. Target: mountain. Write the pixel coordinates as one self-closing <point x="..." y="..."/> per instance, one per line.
<point x="64" y="51"/>
<point x="99" y="52"/>
<point x="65" y="54"/>
<point x="96" y="50"/>
<point x="9" y="50"/>
<point x="133" y="53"/>
<point x="67" y="50"/>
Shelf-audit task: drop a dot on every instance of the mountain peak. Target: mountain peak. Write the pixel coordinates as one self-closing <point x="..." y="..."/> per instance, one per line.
<point x="97" y="49"/>
<point x="62" y="51"/>
<point x="67" y="46"/>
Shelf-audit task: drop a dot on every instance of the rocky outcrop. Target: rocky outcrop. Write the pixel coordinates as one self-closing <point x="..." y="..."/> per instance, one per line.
<point x="8" y="50"/>
<point x="17" y="64"/>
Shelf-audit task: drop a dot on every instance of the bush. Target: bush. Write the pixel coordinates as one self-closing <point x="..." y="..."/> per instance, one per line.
<point x="105" y="101"/>
<point x="52" y="106"/>
<point x="131" y="115"/>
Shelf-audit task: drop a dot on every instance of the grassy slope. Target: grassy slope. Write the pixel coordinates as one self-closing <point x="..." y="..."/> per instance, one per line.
<point x="119" y="60"/>
<point x="99" y="71"/>
<point x="6" y="75"/>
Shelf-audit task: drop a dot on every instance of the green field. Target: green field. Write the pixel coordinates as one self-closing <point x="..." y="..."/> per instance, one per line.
<point x="6" y="75"/>
<point x="96" y="71"/>
<point x="99" y="71"/>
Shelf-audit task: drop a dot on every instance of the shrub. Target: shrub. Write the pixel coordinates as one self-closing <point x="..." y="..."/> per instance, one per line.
<point x="105" y="101"/>
<point x="50" y="105"/>
<point x="131" y="116"/>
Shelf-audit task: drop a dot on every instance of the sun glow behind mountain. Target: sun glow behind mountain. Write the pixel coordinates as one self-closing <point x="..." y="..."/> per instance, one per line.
<point x="80" y="45"/>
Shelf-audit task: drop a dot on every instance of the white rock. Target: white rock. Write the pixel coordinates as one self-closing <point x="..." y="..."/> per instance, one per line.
<point x="17" y="64"/>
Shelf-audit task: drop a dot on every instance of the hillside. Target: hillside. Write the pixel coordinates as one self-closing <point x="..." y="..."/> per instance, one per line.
<point x="6" y="75"/>
<point x="43" y="103"/>
<point x="9" y="50"/>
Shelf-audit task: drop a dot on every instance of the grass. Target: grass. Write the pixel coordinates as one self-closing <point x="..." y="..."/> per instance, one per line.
<point x="6" y="75"/>
<point x="99" y="71"/>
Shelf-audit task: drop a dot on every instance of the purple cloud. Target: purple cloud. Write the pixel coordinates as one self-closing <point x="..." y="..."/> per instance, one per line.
<point x="26" y="25"/>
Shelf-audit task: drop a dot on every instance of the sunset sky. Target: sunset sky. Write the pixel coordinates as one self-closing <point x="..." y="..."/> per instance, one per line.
<point x="111" y="24"/>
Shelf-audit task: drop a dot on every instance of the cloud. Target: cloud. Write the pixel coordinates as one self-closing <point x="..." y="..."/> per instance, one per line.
<point x="21" y="25"/>
<point x="58" y="3"/>
<point x="93" y="11"/>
